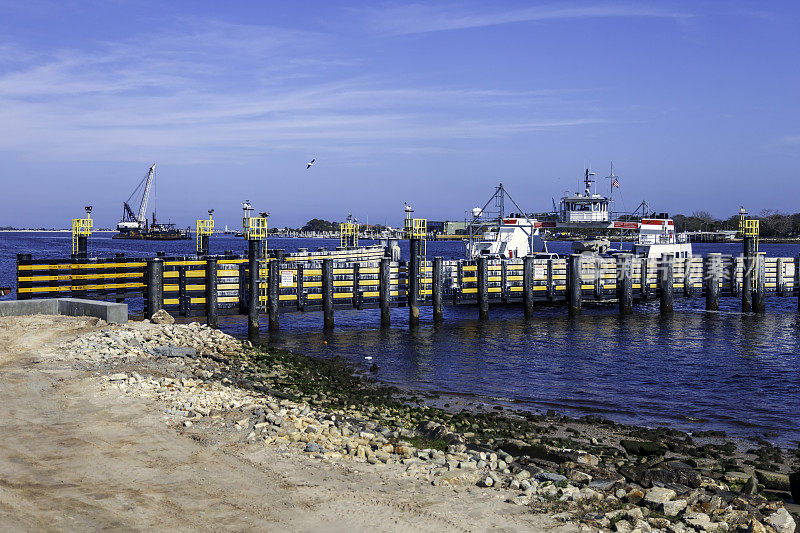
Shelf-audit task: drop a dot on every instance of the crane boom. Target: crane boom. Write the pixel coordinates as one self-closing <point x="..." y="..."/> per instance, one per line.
<point x="142" y="217"/>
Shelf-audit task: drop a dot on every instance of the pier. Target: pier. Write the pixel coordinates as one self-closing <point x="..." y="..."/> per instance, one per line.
<point x="370" y="278"/>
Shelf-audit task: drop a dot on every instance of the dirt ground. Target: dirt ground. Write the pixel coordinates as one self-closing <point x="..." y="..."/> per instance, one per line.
<point x="76" y="457"/>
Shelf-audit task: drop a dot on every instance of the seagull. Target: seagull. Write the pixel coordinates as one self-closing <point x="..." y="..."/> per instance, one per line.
<point x="310" y="163"/>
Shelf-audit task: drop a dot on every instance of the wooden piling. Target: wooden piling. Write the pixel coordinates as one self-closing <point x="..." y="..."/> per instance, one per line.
<point x="713" y="264"/>
<point x="253" y="303"/>
<point x="747" y="284"/>
<point x="625" y="283"/>
<point x="644" y="288"/>
<point x="184" y="303"/>
<point x="83" y="247"/>
<point x="437" y="288"/>
<point x="21" y="260"/>
<point x="483" y="288"/>
<point x="733" y="276"/>
<point x="666" y="273"/>
<point x="385" y="289"/>
<point x="302" y="297"/>
<point x="327" y="293"/>
<point x="760" y="292"/>
<point x="780" y="282"/>
<point x="273" y="293"/>
<point x="155" y="286"/>
<point x="575" y="281"/>
<point x="413" y="283"/>
<point x="527" y="285"/>
<point x="211" y="292"/>
<point x="119" y="257"/>
<point x="688" y="282"/>
<point x="797" y="280"/>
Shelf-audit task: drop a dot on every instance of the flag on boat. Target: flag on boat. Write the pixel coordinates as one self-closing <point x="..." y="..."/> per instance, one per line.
<point x="615" y="183"/>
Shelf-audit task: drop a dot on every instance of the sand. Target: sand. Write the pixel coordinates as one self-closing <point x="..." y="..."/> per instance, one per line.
<point x="76" y="456"/>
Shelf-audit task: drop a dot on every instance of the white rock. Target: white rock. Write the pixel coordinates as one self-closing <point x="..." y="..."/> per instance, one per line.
<point x="658" y="495"/>
<point x="782" y="521"/>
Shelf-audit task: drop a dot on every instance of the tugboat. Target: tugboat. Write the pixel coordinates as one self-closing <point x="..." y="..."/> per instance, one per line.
<point x="135" y="225"/>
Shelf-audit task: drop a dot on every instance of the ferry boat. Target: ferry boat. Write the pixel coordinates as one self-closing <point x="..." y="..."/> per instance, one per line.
<point x="655" y="237"/>
<point x="515" y="236"/>
<point x="492" y="234"/>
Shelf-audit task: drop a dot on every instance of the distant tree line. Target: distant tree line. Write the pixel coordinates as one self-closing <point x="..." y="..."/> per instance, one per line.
<point x="772" y="223"/>
<point x="317" y="224"/>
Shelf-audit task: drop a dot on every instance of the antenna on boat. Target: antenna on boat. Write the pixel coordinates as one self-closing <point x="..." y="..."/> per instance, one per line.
<point x="587" y="181"/>
<point x="613" y="183"/>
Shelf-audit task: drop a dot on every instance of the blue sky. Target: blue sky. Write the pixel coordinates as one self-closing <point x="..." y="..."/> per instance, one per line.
<point x="430" y="103"/>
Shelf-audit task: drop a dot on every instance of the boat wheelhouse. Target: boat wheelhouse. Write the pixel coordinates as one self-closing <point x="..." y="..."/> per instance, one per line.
<point x="586" y="207"/>
<point x="657" y="237"/>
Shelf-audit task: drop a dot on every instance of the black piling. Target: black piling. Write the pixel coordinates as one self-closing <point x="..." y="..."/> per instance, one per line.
<point x="413" y="283"/>
<point x="437" y="285"/>
<point x="527" y="285"/>
<point x="666" y="274"/>
<point x="204" y="247"/>
<point x="83" y="247"/>
<point x="713" y="264"/>
<point x="644" y="288"/>
<point x="327" y="293"/>
<point x="120" y="296"/>
<point x="253" y="258"/>
<point x="747" y="276"/>
<point x="385" y="290"/>
<point x="575" y="281"/>
<point x="273" y="291"/>
<point x="155" y="286"/>
<point x="184" y="301"/>
<point x="22" y="259"/>
<point x="688" y="282"/>
<point x="211" y="292"/>
<point x="483" y="288"/>
<point x="625" y="283"/>
<point x="760" y="289"/>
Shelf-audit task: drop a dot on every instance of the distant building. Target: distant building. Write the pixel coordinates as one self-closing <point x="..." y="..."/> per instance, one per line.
<point x="447" y="227"/>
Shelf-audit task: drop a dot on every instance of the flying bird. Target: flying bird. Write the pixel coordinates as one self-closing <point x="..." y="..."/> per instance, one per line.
<point x="310" y="163"/>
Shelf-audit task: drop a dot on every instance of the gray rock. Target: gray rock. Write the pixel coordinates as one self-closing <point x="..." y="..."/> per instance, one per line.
<point x="782" y="521"/>
<point x="118" y="377"/>
<point x="580" y="478"/>
<point x="773" y="480"/>
<point x="658" y="495"/>
<point x="736" y="477"/>
<point x="751" y="487"/>
<point x="313" y="447"/>
<point x="550" y="476"/>
<point x="162" y="317"/>
<point x="672" y="508"/>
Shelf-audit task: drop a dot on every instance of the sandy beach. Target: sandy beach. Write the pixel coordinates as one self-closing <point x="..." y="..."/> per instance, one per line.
<point x="77" y="454"/>
<point x="148" y="426"/>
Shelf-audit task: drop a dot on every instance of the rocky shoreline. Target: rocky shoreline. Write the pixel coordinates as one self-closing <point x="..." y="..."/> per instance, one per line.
<point x="591" y="471"/>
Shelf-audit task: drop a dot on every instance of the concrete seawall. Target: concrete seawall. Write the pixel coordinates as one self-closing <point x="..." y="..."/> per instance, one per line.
<point x="113" y="313"/>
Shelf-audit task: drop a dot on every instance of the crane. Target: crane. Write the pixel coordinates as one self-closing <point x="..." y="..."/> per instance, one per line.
<point x="131" y="221"/>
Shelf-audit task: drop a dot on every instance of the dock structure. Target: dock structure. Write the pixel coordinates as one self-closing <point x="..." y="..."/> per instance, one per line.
<point x="368" y="278"/>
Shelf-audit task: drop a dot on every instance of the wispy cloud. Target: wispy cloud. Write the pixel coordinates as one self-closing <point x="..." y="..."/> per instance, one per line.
<point x="174" y="94"/>
<point x="423" y="18"/>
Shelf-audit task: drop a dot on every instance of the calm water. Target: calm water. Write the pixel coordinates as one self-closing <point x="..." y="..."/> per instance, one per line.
<point x="693" y="370"/>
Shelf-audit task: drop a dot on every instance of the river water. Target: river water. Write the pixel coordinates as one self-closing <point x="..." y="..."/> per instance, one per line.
<point x="693" y="370"/>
